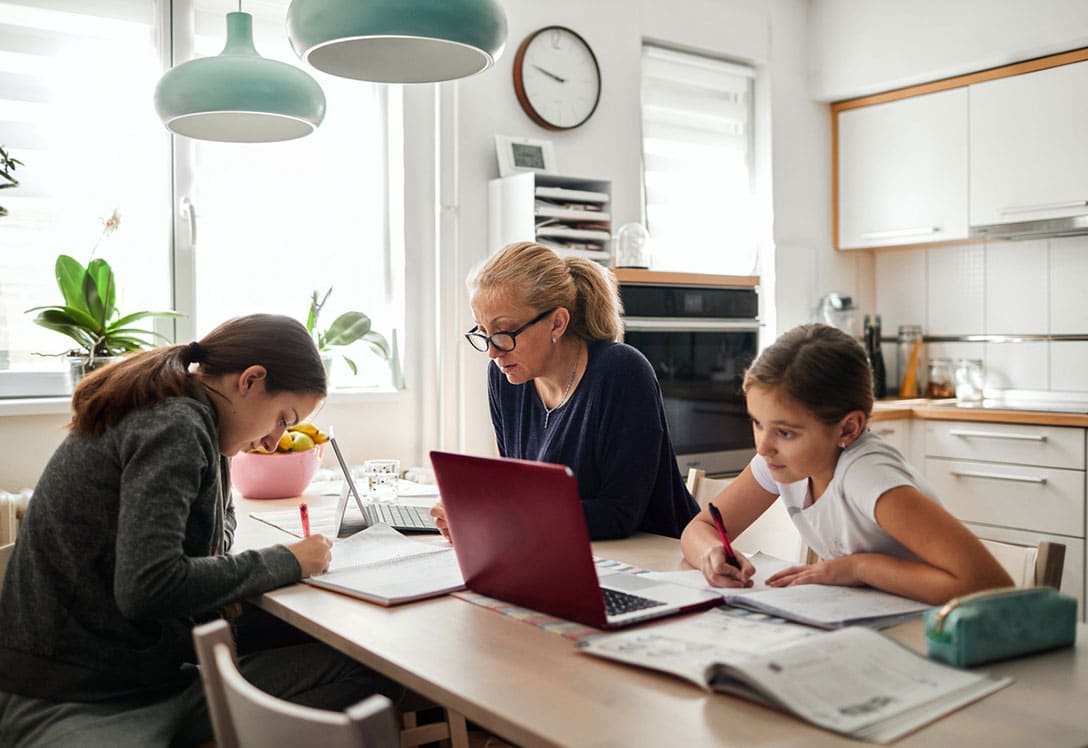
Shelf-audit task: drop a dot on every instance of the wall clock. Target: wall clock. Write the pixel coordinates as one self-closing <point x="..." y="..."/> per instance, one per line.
<point x="556" y="78"/>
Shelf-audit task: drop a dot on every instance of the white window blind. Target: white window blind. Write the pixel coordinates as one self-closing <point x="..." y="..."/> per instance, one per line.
<point x="259" y="226"/>
<point x="697" y="162"/>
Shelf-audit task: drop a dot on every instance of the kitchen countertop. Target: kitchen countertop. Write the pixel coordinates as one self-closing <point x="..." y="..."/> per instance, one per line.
<point x="939" y="410"/>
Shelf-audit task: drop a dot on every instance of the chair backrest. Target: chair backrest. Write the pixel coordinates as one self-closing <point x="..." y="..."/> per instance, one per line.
<point x="5" y="555"/>
<point x="773" y="531"/>
<point x="243" y="716"/>
<point x="1030" y="565"/>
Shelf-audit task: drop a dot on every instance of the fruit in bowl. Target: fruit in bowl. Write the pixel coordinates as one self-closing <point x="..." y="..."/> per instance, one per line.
<point x="284" y="473"/>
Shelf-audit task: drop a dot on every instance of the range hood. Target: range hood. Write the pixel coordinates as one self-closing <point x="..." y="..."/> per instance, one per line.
<point x="1037" y="229"/>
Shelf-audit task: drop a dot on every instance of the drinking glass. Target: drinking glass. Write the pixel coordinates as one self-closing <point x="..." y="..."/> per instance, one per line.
<point x="382" y="478"/>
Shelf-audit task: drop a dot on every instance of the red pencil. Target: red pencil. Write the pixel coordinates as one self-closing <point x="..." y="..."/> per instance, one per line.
<point x="730" y="557"/>
<point x="304" y="514"/>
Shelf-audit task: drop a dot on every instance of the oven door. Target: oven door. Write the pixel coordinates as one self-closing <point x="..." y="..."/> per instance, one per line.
<point x="700" y="364"/>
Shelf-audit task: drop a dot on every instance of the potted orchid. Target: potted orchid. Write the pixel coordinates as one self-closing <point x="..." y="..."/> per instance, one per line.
<point x="7" y="170"/>
<point x="89" y="315"/>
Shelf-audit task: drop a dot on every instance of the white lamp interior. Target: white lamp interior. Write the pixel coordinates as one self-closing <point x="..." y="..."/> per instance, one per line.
<point x="398" y="59"/>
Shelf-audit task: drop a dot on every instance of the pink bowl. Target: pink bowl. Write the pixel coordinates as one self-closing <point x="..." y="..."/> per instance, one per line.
<point x="276" y="476"/>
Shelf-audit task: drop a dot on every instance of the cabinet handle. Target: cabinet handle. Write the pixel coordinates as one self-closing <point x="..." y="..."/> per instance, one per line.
<point x="999" y="435"/>
<point x="894" y="233"/>
<point x="1043" y="206"/>
<point x="997" y="476"/>
<point x="884" y="432"/>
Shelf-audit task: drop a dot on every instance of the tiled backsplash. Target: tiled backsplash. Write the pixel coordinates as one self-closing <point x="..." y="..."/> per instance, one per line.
<point x="999" y="288"/>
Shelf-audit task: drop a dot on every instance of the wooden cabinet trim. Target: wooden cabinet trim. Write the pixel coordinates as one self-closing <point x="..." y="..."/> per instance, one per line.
<point x="920" y="89"/>
<point x="657" y="278"/>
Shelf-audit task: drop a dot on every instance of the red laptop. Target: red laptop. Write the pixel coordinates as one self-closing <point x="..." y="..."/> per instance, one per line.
<point x="520" y="536"/>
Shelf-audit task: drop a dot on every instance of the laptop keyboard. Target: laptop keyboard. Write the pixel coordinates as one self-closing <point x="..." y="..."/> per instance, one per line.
<point x="616" y="602"/>
<point x="397" y="515"/>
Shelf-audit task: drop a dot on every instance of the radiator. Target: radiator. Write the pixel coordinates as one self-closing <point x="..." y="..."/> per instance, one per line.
<point x="12" y="508"/>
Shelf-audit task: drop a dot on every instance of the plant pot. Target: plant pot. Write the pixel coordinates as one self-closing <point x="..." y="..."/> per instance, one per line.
<point x="80" y="366"/>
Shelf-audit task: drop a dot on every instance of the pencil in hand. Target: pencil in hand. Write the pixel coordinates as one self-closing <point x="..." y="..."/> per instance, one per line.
<point x="730" y="557"/>
<point x="304" y="515"/>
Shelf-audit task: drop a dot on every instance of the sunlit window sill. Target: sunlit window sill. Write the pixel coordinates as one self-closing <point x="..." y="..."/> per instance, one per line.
<point x="46" y="406"/>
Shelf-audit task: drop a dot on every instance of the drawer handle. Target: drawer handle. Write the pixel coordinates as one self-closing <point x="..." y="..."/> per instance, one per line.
<point x="885" y="432"/>
<point x="997" y="476"/>
<point x="901" y="233"/>
<point x="999" y="435"/>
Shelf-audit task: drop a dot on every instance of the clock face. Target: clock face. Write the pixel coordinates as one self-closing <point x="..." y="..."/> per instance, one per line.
<point x="556" y="78"/>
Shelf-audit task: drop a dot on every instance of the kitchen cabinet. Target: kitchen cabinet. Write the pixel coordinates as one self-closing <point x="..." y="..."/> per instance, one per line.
<point x="1014" y="483"/>
<point x="898" y="433"/>
<point x="1028" y="152"/>
<point x="902" y="171"/>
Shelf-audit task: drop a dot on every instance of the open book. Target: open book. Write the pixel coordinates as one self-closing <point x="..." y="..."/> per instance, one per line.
<point x="853" y="681"/>
<point x="382" y="566"/>
<point x="820" y="605"/>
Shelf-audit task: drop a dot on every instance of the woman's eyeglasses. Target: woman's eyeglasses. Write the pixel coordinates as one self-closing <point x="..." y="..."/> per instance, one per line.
<point x="503" y="342"/>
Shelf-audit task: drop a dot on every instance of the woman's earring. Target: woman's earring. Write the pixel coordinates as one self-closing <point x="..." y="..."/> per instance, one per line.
<point x="842" y="445"/>
<point x="554" y="340"/>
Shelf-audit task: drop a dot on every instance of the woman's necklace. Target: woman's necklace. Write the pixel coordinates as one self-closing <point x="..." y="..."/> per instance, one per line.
<point x="566" y="393"/>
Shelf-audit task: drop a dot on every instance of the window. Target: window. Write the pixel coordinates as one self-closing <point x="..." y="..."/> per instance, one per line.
<point x="697" y="156"/>
<point x="212" y="229"/>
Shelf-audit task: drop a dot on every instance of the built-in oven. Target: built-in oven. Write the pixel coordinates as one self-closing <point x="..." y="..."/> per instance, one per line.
<point x="699" y="339"/>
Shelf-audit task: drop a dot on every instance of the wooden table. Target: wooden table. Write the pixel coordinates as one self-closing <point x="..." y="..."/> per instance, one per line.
<point x="534" y="688"/>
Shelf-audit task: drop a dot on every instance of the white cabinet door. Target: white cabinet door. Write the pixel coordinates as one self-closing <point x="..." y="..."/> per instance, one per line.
<point x="1029" y="151"/>
<point x="898" y="434"/>
<point x="903" y="171"/>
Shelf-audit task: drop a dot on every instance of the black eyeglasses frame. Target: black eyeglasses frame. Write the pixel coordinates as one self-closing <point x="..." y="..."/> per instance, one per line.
<point x="476" y="338"/>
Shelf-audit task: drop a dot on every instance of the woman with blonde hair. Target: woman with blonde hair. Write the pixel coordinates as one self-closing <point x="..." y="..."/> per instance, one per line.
<point x="563" y="389"/>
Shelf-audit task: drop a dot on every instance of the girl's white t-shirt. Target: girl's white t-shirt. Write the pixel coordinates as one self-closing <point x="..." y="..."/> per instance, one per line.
<point x="843" y="520"/>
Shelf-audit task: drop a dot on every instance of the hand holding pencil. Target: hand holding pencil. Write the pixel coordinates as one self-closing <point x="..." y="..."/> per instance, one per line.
<point x="712" y="568"/>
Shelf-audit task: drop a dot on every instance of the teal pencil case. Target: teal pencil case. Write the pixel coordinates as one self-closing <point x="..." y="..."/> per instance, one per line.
<point x="999" y="624"/>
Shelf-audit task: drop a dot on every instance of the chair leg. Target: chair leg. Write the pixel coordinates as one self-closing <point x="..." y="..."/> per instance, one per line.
<point x="458" y="729"/>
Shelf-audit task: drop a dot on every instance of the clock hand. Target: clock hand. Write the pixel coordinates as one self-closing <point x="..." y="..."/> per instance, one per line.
<point x="550" y="74"/>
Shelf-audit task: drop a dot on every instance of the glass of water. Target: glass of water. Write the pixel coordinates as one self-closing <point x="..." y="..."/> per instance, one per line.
<point x="381" y="479"/>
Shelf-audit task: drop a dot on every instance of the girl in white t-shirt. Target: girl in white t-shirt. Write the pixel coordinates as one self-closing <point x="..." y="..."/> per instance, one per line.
<point x="868" y="515"/>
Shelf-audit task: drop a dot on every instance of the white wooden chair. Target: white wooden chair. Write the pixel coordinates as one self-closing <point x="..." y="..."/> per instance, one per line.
<point x="772" y="532"/>
<point x="1030" y="565"/>
<point x="243" y="716"/>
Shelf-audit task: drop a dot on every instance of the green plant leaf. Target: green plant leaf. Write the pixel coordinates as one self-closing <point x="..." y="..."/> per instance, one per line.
<point x="99" y="291"/>
<point x="70" y="274"/>
<point x="144" y="315"/>
<point x="68" y="315"/>
<point x="347" y="328"/>
<point x="351" y="365"/>
<point x="60" y="320"/>
<point x="377" y="343"/>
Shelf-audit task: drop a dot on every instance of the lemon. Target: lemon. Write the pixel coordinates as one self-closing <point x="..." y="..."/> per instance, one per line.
<point x="285" y="442"/>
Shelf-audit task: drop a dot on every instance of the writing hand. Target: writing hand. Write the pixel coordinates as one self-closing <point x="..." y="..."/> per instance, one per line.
<point x="313" y="554"/>
<point x="720" y="573"/>
<point x="550" y="74"/>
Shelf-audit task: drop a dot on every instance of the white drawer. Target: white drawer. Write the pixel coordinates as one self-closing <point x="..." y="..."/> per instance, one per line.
<point x="1053" y="446"/>
<point x="1017" y="496"/>
<point x="1072" y="570"/>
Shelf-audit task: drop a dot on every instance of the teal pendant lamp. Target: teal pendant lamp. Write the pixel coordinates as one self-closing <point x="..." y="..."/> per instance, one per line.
<point x="398" y="41"/>
<point x="239" y="96"/>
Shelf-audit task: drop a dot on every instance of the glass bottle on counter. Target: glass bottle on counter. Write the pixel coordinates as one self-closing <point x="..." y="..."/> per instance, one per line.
<point x="876" y="356"/>
<point x="940" y="382"/>
<point x="910" y="360"/>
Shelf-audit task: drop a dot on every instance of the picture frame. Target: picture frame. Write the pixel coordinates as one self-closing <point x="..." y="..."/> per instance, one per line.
<point x="524" y="154"/>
